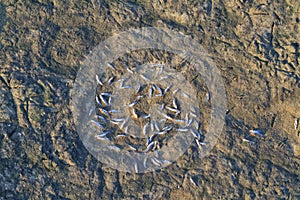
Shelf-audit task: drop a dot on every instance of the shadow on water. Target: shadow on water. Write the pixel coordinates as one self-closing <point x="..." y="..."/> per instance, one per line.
<point x="2" y="16"/>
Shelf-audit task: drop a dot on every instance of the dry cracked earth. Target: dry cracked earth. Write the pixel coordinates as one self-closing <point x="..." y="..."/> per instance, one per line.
<point x="254" y="44"/>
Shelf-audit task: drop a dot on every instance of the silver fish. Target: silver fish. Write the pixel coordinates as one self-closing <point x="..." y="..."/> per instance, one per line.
<point x="249" y="141"/>
<point x="150" y="146"/>
<point x="106" y="94"/>
<point x="296" y="123"/>
<point x="182" y="129"/>
<point x="135" y="115"/>
<point x="175" y="103"/>
<point x="145" y="78"/>
<point x="110" y="65"/>
<point x="109" y="82"/>
<point x="102" y="118"/>
<point x="98" y="101"/>
<point x="98" y="80"/>
<point x="115" y="148"/>
<point x="103" y="100"/>
<point x="207" y="97"/>
<point x="124" y="123"/>
<point x="167" y="89"/>
<point x="132" y="104"/>
<point x="138" y="88"/>
<point x="145" y="128"/>
<point x="136" y="167"/>
<point x="145" y="163"/>
<point x="162" y="106"/>
<point x="155" y="162"/>
<point x="97" y="123"/>
<point x="172" y="109"/>
<point x="103" y="134"/>
<point x="129" y="70"/>
<point x="147" y="116"/>
<point x="150" y="92"/>
<point x="256" y="132"/>
<point x="120" y="136"/>
<point x="131" y="147"/>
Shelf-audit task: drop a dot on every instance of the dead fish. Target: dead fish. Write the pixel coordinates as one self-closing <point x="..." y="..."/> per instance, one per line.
<point x="161" y="70"/>
<point x="92" y="110"/>
<point x="167" y="128"/>
<point x="98" y="101"/>
<point x="104" y="112"/>
<point x="110" y="65"/>
<point x="97" y="123"/>
<point x="115" y="148"/>
<point x="120" y="136"/>
<point x="175" y="103"/>
<point x="139" y="97"/>
<point x="185" y="95"/>
<point x="145" y="163"/>
<point x="150" y="146"/>
<point x="167" y="89"/>
<point x="182" y="129"/>
<point x="103" y="138"/>
<point x="145" y="78"/>
<point x="159" y="90"/>
<point x="129" y="70"/>
<point x="132" y="104"/>
<point x="194" y="133"/>
<point x="131" y="147"/>
<point x="136" y="167"/>
<point x="118" y="119"/>
<point x="296" y="123"/>
<point x="249" y="141"/>
<point x="156" y="162"/>
<point x="106" y="94"/>
<point x="256" y="132"/>
<point x="102" y="118"/>
<point x="147" y="116"/>
<point x="124" y="123"/>
<point x="103" y="134"/>
<point x="165" y="77"/>
<point x="178" y="121"/>
<point x="150" y="92"/>
<point x="175" y="91"/>
<point x="193" y="114"/>
<point x="167" y="116"/>
<point x="162" y="106"/>
<point x="152" y="137"/>
<point x="103" y="100"/>
<point x="207" y="97"/>
<point x="135" y="115"/>
<point x="167" y="162"/>
<point x="145" y="128"/>
<point x="156" y="126"/>
<point x="160" y="133"/>
<point x="113" y="111"/>
<point x="109" y="100"/>
<point x="98" y="80"/>
<point x="126" y="87"/>
<point x="172" y="109"/>
<point x="109" y="82"/>
<point x="200" y="143"/>
<point x="114" y="122"/>
<point x="138" y="88"/>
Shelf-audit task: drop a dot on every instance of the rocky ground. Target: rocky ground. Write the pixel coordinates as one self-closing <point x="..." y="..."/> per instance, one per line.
<point x="255" y="45"/>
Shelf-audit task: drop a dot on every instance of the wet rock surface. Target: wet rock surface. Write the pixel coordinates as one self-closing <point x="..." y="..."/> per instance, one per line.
<point x="255" y="45"/>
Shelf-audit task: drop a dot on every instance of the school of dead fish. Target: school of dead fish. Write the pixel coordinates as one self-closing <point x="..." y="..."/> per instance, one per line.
<point x="104" y="119"/>
<point x="103" y="101"/>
